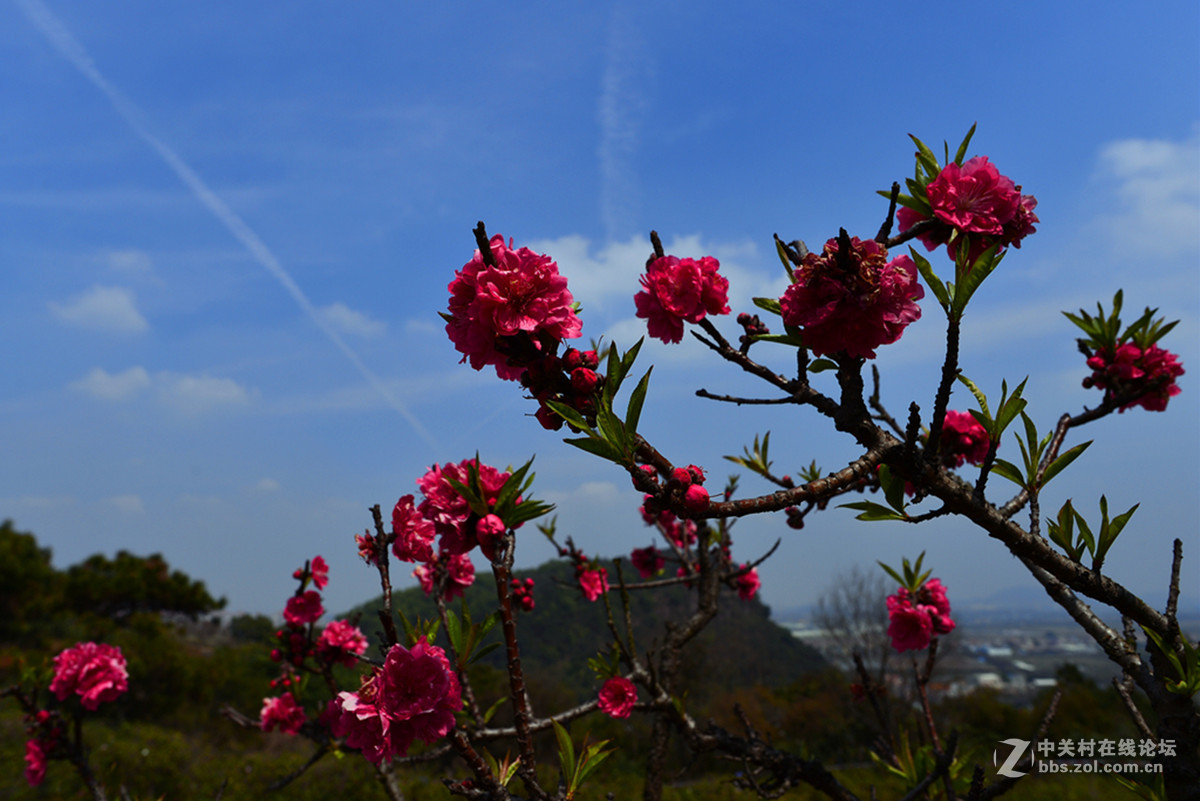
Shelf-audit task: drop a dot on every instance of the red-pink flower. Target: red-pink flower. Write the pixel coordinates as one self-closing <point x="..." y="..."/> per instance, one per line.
<point x="676" y="290"/>
<point x="459" y="570"/>
<point x="1130" y="369"/>
<point x="510" y="314"/>
<point x="94" y="671"/>
<point x="748" y="584"/>
<point x="304" y="608"/>
<point x="963" y="439"/>
<point x="448" y="510"/>
<point x="617" y="697"/>
<point x="35" y="763"/>
<point x="283" y="713"/>
<point x="913" y="621"/>
<point x="489" y="530"/>
<point x="974" y="198"/>
<point x="852" y="303"/>
<point x="320" y="572"/>
<point x="339" y="642"/>
<point x="367" y="548"/>
<point x="909" y="627"/>
<point x="414" y="534"/>
<point x="647" y="561"/>
<point x="413" y="696"/>
<point x="593" y="582"/>
<point x="695" y="499"/>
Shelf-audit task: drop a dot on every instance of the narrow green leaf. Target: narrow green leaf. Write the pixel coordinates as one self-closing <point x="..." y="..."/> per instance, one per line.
<point x="893" y="488"/>
<point x="1085" y="534"/>
<point x="569" y="414"/>
<point x="454" y="631"/>
<point x="769" y="305"/>
<point x="783" y="339"/>
<point x="931" y="278"/>
<point x="1064" y="459"/>
<point x="781" y="250"/>
<point x="566" y="749"/>
<point x="633" y="412"/>
<point x="872" y="511"/>
<point x="899" y="579"/>
<point x="1009" y="470"/>
<point x="592" y="761"/>
<point x="970" y="278"/>
<point x="482" y="652"/>
<point x="962" y="149"/>
<point x="597" y="447"/>
<point x="821" y="365"/>
<point x="980" y="398"/>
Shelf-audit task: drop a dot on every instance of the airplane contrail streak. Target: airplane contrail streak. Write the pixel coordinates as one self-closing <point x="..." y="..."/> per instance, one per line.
<point x="62" y="40"/>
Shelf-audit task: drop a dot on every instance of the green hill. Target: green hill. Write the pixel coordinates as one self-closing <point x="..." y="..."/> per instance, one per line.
<point x="741" y="647"/>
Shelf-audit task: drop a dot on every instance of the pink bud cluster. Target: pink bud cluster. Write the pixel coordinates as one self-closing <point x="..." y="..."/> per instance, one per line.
<point x="522" y="593"/>
<point x="1149" y="374"/>
<point x="412" y="696"/>
<point x="914" y="619"/>
<point x="974" y="200"/>
<point x="675" y="291"/>
<point x="849" y="298"/>
<point x="570" y="379"/>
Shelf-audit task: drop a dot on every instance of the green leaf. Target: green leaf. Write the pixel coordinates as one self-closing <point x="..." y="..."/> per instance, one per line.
<point x="873" y="511"/>
<point x="781" y="250"/>
<point x="1009" y="470"/>
<point x="893" y="488"/>
<point x="633" y="412"/>
<point x="783" y="339"/>
<point x="970" y="278"/>
<point x="962" y="149"/>
<point x="480" y="653"/>
<point x="769" y="305"/>
<point x="1064" y="459"/>
<point x="569" y="414"/>
<point x="926" y="158"/>
<point x="596" y="447"/>
<point x="821" y="365"/>
<point x="454" y="632"/>
<point x="566" y="749"/>
<point x="980" y="398"/>
<point x="931" y="278"/>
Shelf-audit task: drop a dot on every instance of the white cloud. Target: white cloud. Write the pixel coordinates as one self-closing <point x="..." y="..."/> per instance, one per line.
<point x="349" y="321"/>
<point x="1158" y="186"/>
<point x="186" y="393"/>
<point x="113" y="386"/>
<point x="134" y="262"/>
<point x="128" y="503"/>
<point x="267" y="485"/>
<point x="194" y="394"/>
<point x="102" y="308"/>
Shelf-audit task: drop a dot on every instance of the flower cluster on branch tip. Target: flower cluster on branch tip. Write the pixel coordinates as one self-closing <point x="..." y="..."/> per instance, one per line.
<point x="850" y="298"/>
<point x="675" y="291"/>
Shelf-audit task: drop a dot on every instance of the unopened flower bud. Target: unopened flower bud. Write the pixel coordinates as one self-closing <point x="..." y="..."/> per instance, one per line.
<point x="695" y="499"/>
<point x="584" y="381"/>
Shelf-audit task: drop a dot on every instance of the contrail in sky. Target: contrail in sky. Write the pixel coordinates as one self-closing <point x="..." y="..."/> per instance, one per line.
<point x="70" y="49"/>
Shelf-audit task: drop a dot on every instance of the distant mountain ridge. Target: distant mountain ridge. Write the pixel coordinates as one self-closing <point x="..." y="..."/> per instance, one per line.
<point x="740" y="647"/>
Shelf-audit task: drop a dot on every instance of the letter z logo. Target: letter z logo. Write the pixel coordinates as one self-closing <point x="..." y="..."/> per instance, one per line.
<point x="1014" y="756"/>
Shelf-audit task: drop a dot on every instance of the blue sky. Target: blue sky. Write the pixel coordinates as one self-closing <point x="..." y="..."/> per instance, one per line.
<point x="226" y="230"/>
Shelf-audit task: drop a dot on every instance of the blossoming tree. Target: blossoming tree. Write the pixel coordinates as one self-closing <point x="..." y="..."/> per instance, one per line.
<point x="510" y="311"/>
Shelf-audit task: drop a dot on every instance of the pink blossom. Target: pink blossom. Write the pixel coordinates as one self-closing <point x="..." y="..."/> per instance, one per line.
<point x="339" y="642"/>
<point x="748" y="584"/>
<point x="508" y="315"/>
<point x="617" y="697"/>
<point x="1130" y="369"/>
<point x="677" y="290"/>
<point x="593" y="582"/>
<point x="413" y="696"/>
<point x="35" y="763"/>
<point x="963" y="439"/>
<point x="974" y="198"/>
<point x="447" y="509"/>
<point x="914" y="620"/>
<point x="304" y="608"/>
<point x="94" y="671"/>
<point x="414" y="534"/>
<point x="282" y="712"/>
<point x="647" y="561"/>
<point x="320" y="572"/>
<point x="854" y="304"/>
<point x="460" y="574"/>
<point x="909" y="627"/>
<point x="366" y="548"/>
